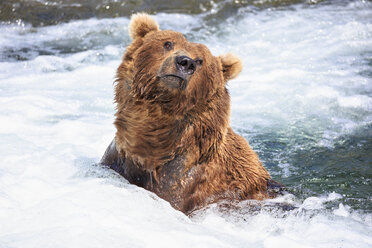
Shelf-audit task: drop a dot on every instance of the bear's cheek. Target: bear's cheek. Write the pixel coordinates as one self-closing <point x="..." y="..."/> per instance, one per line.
<point x="203" y="85"/>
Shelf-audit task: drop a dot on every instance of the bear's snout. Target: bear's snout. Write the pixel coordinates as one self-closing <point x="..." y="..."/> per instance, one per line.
<point x="177" y="70"/>
<point x="185" y="65"/>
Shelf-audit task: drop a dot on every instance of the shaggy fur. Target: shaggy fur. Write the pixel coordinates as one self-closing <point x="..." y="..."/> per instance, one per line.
<point x="173" y="136"/>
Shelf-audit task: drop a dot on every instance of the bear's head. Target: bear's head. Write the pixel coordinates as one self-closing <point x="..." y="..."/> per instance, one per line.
<point x="162" y="66"/>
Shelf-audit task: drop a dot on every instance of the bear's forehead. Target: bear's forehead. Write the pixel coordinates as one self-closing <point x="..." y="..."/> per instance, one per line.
<point x="167" y="35"/>
<point x="178" y="39"/>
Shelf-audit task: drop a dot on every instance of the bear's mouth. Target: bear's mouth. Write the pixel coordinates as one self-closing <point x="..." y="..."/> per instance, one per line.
<point x="174" y="81"/>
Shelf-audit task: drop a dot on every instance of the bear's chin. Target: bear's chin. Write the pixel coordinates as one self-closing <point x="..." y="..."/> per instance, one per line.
<point x="174" y="82"/>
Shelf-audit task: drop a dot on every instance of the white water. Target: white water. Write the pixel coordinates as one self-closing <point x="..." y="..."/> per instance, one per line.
<point x="56" y="114"/>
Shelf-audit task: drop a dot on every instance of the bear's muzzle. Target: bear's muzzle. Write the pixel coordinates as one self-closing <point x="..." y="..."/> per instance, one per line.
<point x="176" y="71"/>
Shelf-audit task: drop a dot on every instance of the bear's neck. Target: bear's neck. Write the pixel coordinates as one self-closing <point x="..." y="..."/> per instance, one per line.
<point x="147" y="135"/>
<point x="152" y="134"/>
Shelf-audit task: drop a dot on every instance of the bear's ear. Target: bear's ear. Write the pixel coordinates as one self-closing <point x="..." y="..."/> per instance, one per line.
<point x="231" y="66"/>
<point x="142" y="24"/>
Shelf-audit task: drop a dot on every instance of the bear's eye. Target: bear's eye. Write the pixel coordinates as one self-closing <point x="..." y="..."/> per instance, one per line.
<point x="168" y="45"/>
<point x="199" y="61"/>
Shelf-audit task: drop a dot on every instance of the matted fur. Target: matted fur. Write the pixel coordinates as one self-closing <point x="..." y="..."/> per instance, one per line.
<point x="178" y="142"/>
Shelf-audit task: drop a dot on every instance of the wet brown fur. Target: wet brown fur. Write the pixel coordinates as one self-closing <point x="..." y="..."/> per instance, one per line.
<point x="178" y="143"/>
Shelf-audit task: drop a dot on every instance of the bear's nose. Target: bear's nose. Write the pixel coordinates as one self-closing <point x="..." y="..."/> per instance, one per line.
<point x="185" y="64"/>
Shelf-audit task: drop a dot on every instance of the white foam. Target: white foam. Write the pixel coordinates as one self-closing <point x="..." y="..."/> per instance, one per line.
<point x="343" y="211"/>
<point x="307" y="62"/>
<point x="317" y="202"/>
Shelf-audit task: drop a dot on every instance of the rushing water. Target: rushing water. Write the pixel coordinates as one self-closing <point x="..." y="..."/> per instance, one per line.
<point x="303" y="101"/>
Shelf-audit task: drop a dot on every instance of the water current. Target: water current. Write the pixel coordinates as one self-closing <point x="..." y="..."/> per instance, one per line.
<point x="303" y="101"/>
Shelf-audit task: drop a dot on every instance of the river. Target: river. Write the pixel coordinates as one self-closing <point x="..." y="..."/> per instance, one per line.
<point x="303" y="101"/>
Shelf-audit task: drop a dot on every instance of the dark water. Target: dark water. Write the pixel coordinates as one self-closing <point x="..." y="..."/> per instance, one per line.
<point x="344" y="168"/>
<point x="291" y="153"/>
<point x="39" y="13"/>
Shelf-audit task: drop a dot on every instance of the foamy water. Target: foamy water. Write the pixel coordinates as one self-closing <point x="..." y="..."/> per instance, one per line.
<point x="303" y="100"/>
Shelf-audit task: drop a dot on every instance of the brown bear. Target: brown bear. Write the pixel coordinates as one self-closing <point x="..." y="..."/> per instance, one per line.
<point x="173" y="133"/>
